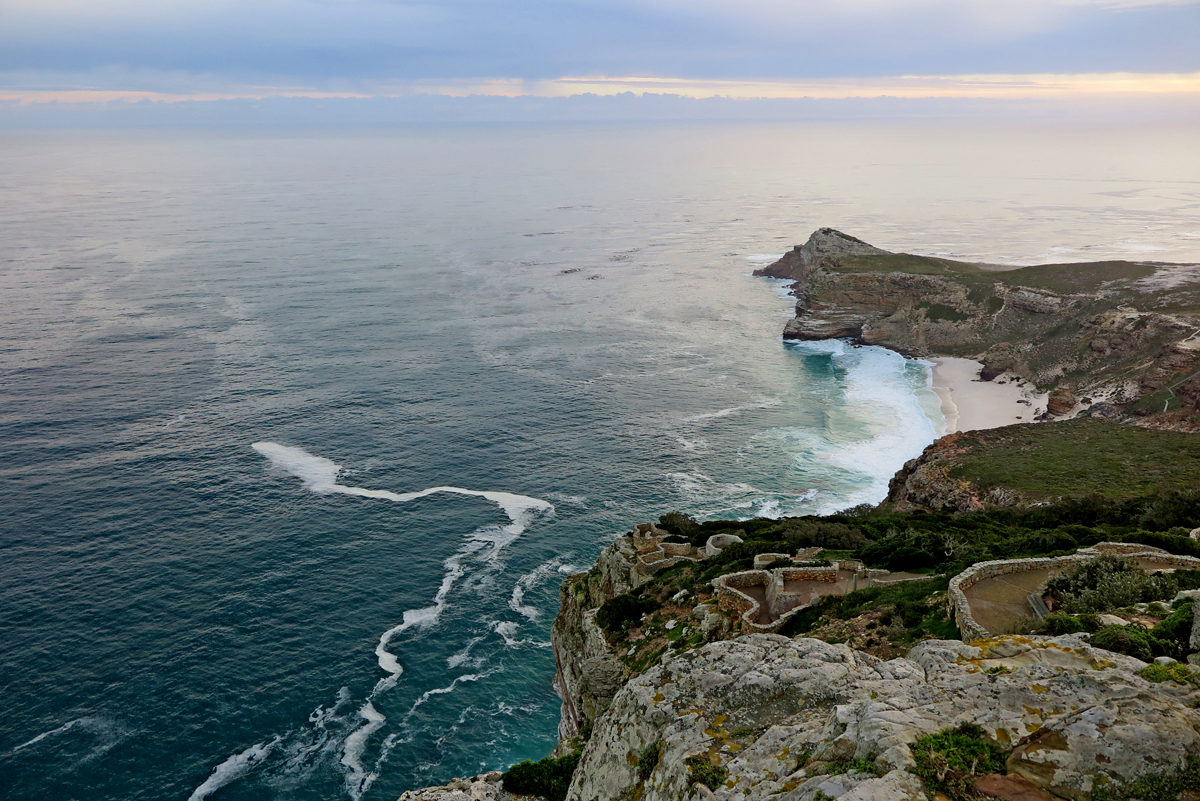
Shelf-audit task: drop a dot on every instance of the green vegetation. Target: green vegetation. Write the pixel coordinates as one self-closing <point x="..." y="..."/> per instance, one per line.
<point x="625" y="608"/>
<point x="948" y="760"/>
<point x="1106" y="584"/>
<point x="1166" y="785"/>
<point x="1131" y="640"/>
<point x="1060" y="623"/>
<point x="1179" y="673"/>
<point x="705" y="771"/>
<point x="547" y="778"/>
<point x="1079" y="458"/>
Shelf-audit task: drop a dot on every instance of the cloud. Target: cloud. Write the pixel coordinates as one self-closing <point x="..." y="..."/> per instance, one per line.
<point x="222" y="47"/>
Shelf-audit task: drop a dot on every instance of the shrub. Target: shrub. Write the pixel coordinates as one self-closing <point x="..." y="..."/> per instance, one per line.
<point x="1108" y="583"/>
<point x="831" y="536"/>
<point x="1058" y="623"/>
<point x="547" y="778"/>
<point x="1176" y="629"/>
<point x="948" y="760"/>
<point x="679" y="524"/>
<point x="627" y="607"/>
<point x="1177" y="672"/>
<point x="703" y="770"/>
<point x="1129" y="640"/>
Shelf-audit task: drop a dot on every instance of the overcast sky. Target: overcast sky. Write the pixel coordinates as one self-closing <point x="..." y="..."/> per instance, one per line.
<point x="224" y="47"/>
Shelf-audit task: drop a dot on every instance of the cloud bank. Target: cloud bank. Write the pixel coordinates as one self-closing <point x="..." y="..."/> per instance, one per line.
<point x="171" y="49"/>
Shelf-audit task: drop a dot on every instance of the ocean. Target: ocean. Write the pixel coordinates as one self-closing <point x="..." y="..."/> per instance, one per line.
<point x="300" y="432"/>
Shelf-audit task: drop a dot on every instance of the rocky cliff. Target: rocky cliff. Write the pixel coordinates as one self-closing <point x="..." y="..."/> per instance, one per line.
<point x="1121" y="332"/>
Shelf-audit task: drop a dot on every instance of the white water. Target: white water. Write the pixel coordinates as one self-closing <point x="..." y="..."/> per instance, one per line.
<point x="320" y="475"/>
<point x="234" y="768"/>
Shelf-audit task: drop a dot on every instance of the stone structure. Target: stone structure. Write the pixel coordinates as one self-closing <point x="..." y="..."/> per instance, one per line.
<point x="766" y="599"/>
<point x="1040" y="570"/>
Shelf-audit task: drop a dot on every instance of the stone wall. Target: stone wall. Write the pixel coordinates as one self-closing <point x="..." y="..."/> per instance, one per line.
<point x="979" y="571"/>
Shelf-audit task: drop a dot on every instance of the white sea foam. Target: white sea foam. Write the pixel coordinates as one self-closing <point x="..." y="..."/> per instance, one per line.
<point x="761" y="403"/>
<point x="358" y="781"/>
<point x="320" y="475"/>
<point x="106" y="734"/>
<point x="63" y="729"/>
<point x="530" y="580"/>
<point x="886" y="415"/>
<point x="234" y="768"/>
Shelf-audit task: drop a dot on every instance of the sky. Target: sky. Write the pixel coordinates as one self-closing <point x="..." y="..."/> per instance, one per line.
<point x="88" y="50"/>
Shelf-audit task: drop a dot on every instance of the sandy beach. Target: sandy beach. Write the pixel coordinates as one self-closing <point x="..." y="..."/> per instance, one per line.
<point x="969" y="404"/>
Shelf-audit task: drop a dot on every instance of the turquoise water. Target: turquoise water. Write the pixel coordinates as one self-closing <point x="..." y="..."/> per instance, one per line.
<point x="232" y="366"/>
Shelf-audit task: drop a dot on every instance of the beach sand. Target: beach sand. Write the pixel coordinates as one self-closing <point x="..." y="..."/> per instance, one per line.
<point x="969" y="404"/>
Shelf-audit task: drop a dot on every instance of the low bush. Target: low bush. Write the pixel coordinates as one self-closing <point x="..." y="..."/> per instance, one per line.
<point x="1059" y="623"/>
<point x="627" y="607"/>
<point x="1132" y="641"/>
<point x="947" y="761"/>
<point x="680" y="525"/>
<point x="1108" y="583"/>
<point x="1176" y="629"/>
<point x="547" y="778"/>
<point x="703" y="770"/>
<point x="1177" y="672"/>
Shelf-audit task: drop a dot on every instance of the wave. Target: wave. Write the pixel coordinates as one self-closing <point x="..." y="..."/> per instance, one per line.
<point x="320" y="475"/>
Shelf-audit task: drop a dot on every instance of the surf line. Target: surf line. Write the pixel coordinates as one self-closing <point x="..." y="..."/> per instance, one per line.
<point x="320" y="475"/>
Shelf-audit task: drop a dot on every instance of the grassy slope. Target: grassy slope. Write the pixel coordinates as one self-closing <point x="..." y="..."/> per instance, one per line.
<point x="1081" y="457"/>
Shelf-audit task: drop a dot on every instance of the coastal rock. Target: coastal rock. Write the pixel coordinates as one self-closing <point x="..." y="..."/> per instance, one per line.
<point x="773" y="715"/>
<point x="587" y="673"/>
<point x="486" y="787"/>
<point x="1061" y="401"/>
<point x="824" y="245"/>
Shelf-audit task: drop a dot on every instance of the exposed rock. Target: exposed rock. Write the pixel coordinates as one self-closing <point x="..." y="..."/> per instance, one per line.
<point x="1061" y="401"/>
<point x="774" y="712"/>
<point x="587" y="672"/>
<point x="1009" y="788"/>
<point x="479" y="788"/>
<point x="822" y="246"/>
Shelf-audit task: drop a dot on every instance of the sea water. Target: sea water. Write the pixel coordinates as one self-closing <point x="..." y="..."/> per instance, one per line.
<point x="299" y="433"/>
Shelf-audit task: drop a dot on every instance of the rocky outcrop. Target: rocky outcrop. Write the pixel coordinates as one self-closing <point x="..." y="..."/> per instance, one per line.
<point x="822" y="248"/>
<point x="486" y="787"/>
<point x="774" y="715"/>
<point x="1020" y="465"/>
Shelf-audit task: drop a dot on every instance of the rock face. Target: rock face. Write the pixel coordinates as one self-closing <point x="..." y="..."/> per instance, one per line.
<point x="1076" y="330"/>
<point x="775" y="713"/>
<point x="587" y="673"/>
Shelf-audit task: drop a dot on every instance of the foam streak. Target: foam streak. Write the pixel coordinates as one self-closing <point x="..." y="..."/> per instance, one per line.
<point x="320" y="475"/>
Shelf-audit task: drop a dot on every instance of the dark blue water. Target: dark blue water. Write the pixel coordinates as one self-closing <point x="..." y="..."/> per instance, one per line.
<point x="561" y="313"/>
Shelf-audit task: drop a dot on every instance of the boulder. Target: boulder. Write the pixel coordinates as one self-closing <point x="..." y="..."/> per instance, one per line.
<point x="1061" y="401"/>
